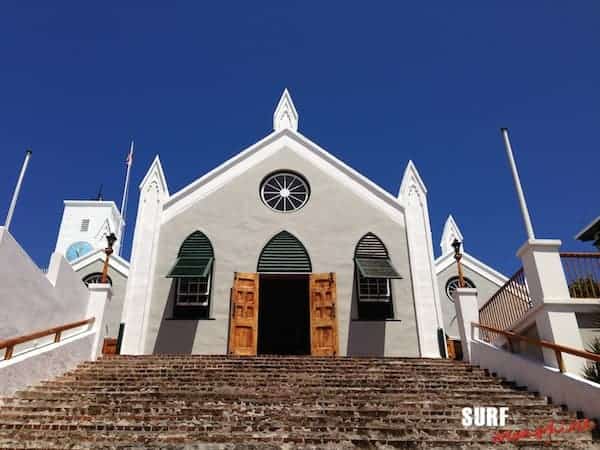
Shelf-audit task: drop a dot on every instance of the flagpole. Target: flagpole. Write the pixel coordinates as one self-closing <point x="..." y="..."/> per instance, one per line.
<point x="13" y="203"/>
<point x="125" y="192"/>
<point x="517" y="180"/>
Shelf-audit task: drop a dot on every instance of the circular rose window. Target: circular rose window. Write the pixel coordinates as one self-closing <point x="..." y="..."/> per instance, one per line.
<point x="453" y="284"/>
<point x="284" y="191"/>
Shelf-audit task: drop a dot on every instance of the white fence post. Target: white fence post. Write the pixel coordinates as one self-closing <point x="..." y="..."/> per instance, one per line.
<point x="100" y="296"/>
<point x="548" y="288"/>
<point x="467" y="312"/>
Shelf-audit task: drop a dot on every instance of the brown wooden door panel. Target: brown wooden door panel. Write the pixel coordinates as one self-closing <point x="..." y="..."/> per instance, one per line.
<point x="109" y="346"/>
<point x="243" y="331"/>
<point x="323" y="320"/>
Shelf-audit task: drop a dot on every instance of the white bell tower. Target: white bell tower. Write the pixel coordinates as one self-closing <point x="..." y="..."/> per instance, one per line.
<point x="85" y="225"/>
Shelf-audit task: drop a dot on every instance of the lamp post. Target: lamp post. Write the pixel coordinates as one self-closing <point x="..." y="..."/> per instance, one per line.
<point x="111" y="239"/>
<point x="457" y="256"/>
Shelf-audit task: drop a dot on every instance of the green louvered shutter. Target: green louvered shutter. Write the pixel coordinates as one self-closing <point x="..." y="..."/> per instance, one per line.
<point x="196" y="245"/>
<point x="284" y="253"/>
<point x="372" y="259"/>
<point x="194" y="259"/>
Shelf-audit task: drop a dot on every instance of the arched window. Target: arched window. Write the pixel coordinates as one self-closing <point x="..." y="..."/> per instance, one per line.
<point x="284" y="253"/>
<point x="95" y="277"/>
<point x="373" y="272"/>
<point x="453" y="283"/>
<point x="192" y="273"/>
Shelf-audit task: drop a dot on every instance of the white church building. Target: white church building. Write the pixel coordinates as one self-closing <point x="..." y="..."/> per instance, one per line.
<point x="283" y="249"/>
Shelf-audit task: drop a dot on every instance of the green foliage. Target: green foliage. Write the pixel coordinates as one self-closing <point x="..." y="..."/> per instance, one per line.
<point x="592" y="369"/>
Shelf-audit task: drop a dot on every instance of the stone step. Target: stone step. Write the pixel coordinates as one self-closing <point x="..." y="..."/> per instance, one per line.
<point x="196" y="430"/>
<point x="191" y="380"/>
<point x="253" y="419"/>
<point x="341" y="438"/>
<point x="268" y="402"/>
<point x="234" y="393"/>
<point x="332" y="386"/>
<point x="219" y="409"/>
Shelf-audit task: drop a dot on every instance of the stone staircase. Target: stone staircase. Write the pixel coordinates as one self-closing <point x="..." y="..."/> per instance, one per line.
<point x="260" y="402"/>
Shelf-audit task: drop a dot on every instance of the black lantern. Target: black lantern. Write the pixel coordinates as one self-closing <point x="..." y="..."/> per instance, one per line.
<point x="456" y="244"/>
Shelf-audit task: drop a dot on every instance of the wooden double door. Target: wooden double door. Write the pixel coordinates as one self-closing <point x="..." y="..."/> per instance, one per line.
<point x="245" y="303"/>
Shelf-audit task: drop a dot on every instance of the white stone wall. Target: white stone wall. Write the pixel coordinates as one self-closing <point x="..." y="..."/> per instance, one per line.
<point x="44" y="363"/>
<point x="32" y="300"/>
<point x="564" y="388"/>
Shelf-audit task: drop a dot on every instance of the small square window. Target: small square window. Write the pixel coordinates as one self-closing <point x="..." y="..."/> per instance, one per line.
<point x="192" y="298"/>
<point x="85" y="225"/>
<point x="374" y="298"/>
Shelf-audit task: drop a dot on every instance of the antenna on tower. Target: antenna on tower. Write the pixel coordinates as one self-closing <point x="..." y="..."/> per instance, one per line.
<point x="100" y="197"/>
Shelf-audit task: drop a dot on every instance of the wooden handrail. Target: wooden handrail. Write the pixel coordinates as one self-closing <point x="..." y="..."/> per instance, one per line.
<point x="580" y="254"/>
<point x="9" y="344"/>
<point x="558" y="349"/>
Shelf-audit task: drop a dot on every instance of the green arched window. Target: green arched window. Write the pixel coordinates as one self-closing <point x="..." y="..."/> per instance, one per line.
<point x="192" y="273"/>
<point x="373" y="273"/>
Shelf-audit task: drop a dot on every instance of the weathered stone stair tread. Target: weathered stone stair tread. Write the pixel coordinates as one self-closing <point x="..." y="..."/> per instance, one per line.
<point x="167" y="401"/>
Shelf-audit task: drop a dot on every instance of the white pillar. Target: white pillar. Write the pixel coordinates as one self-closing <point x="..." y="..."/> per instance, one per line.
<point x="138" y="295"/>
<point x="428" y="312"/>
<point x="548" y="288"/>
<point x="467" y="312"/>
<point x="100" y="297"/>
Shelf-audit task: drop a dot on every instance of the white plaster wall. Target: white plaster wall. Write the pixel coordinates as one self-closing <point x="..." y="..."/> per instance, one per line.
<point x="589" y="327"/>
<point x="44" y="363"/>
<point x="239" y="225"/>
<point x="31" y="300"/>
<point x="577" y="393"/>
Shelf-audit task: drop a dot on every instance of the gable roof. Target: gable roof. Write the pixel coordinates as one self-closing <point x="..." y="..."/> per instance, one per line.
<point x="115" y="262"/>
<point x="477" y="266"/>
<point x="267" y="146"/>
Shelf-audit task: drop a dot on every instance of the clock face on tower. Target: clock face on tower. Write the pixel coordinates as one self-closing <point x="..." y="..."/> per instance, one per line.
<point x="77" y="250"/>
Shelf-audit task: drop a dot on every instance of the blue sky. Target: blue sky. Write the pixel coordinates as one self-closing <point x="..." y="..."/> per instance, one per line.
<point x="375" y="83"/>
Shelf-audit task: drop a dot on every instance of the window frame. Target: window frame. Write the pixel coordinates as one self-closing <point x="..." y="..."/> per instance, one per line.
<point x="377" y="297"/>
<point x="191" y="310"/>
<point x="205" y="294"/>
<point x="375" y="309"/>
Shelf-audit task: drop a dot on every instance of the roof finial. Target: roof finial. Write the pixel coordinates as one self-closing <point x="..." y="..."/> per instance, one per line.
<point x="285" y="115"/>
<point x="450" y="233"/>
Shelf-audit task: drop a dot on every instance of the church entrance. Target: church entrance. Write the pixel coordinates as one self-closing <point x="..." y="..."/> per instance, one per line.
<point x="283" y="308"/>
<point x="283" y="315"/>
<point x="289" y="315"/>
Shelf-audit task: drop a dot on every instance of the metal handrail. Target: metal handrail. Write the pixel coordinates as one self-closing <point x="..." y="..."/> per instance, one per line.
<point x="9" y="344"/>
<point x="558" y="349"/>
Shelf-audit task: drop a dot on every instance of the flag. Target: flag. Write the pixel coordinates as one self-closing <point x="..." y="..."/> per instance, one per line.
<point x="129" y="159"/>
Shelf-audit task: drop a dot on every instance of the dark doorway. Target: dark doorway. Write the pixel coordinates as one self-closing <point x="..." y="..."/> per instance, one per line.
<point x="283" y="315"/>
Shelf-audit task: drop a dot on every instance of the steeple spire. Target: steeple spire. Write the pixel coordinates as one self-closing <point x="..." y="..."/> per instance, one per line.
<point x="285" y="115"/>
